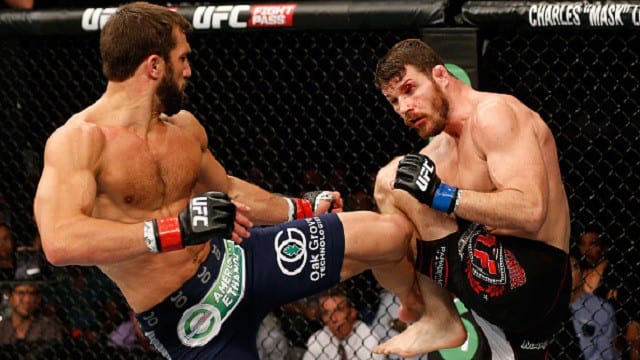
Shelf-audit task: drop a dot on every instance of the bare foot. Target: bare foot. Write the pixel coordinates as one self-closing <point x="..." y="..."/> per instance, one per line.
<point x="427" y="335"/>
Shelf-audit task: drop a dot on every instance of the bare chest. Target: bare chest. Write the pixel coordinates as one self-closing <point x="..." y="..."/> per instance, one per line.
<point x="147" y="174"/>
<point x="459" y="164"/>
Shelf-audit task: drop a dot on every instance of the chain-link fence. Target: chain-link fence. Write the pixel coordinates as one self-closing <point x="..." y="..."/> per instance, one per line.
<point x="585" y="84"/>
<point x="294" y="111"/>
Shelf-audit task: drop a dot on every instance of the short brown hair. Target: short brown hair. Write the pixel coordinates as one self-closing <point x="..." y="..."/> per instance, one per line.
<point x="135" y="31"/>
<point x="407" y="52"/>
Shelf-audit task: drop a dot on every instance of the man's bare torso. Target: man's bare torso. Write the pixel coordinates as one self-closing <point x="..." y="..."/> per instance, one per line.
<point x="459" y="163"/>
<point x="140" y="179"/>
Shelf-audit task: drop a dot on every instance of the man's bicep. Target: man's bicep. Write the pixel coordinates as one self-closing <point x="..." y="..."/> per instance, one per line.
<point x="64" y="193"/>
<point x="67" y="186"/>
<point x="514" y="158"/>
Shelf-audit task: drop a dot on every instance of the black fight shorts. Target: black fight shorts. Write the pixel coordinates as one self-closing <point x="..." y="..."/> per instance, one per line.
<point x="522" y="286"/>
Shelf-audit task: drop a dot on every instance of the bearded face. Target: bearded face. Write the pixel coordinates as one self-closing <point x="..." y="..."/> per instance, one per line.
<point x="435" y="119"/>
<point x="169" y="92"/>
<point x="419" y="100"/>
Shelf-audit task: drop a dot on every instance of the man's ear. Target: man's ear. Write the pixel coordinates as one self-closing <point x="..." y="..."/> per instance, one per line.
<point x="440" y="74"/>
<point x="154" y="66"/>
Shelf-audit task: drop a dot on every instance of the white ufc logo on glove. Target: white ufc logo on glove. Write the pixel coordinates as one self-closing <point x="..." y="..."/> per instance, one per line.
<point x="425" y="175"/>
<point x="199" y="212"/>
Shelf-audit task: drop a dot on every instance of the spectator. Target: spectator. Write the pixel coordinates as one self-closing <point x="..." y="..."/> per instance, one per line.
<point x="615" y="280"/>
<point x="593" y="248"/>
<point x="26" y="324"/>
<point x="343" y="336"/>
<point x="593" y="319"/>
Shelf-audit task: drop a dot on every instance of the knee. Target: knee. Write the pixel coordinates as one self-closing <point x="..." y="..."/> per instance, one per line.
<point x="400" y="234"/>
<point x="384" y="182"/>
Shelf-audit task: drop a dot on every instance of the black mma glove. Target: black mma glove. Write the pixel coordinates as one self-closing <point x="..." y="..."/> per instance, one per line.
<point x="417" y="175"/>
<point x="300" y="208"/>
<point x="207" y="215"/>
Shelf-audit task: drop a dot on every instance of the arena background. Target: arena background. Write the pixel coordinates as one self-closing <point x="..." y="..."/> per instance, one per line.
<point x="294" y="109"/>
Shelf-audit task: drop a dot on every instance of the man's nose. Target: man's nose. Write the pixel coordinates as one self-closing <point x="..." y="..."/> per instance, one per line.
<point x="405" y="108"/>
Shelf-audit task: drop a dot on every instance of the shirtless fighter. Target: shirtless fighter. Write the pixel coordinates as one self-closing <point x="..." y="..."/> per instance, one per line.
<point x="488" y="202"/>
<point x="118" y="190"/>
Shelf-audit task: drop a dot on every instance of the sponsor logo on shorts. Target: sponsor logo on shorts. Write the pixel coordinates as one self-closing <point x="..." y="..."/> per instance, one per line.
<point x="517" y="275"/>
<point x="294" y="250"/>
<point x="488" y="262"/>
<point x="439" y="269"/>
<point x="291" y="251"/>
<point x="317" y="249"/>
<point x="202" y="322"/>
<point x="199" y="324"/>
<point x="486" y="270"/>
<point x="528" y="345"/>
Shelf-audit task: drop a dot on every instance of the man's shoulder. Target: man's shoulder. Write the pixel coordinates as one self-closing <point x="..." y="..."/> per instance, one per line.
<point x="491" y="105"/>
<point x="77" y="128"/>
<point x="186" y="121"/>
<point x="183" y="118"/>
<point x="73" y="138"/>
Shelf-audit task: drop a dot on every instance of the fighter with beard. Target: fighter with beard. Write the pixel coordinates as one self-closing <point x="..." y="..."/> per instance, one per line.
<point x="487" y="200"/>
<point x="129" y="185"/>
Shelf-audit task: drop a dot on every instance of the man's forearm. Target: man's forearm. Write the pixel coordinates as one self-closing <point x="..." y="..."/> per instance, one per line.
<point x="506" y="209"/>
<point x="90" y="241"/>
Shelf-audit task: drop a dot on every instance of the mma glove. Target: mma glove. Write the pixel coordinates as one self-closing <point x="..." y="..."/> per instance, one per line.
<point x="300" y="208"/>
<point x="417" y="175"/>
<point x="209" y="215"/>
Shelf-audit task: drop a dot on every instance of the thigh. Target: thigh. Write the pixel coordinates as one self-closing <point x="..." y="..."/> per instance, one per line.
<point x="294" y="260"/>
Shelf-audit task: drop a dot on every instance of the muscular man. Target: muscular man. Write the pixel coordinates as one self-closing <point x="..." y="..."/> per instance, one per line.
<point x="487" y="199"/>
<point x="118" y="191"/>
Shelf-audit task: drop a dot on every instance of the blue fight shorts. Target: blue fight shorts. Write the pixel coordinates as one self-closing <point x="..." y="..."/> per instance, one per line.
<point x="522" y="286"/>
<point x="216" y="313"/>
